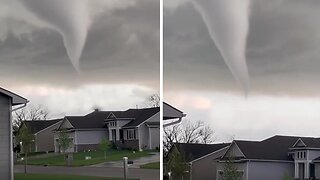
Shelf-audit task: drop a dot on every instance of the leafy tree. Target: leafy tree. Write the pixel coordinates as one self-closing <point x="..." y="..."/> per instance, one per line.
<point x="105" y="145"/>
<point x="64" y="141"/>
<point x="26" y="139"/>
<point x="230" y="171"/>
<point x="177" y="164"/>
<point x="287" y="177"/>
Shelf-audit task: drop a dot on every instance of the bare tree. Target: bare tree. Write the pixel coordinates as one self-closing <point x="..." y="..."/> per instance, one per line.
<point x="206" y="135"/>
<point x="153" y="100"/>
<point x="191" y="131"/>
<point x="31" y="113"/>
<point x="187" y="132"/>
<point x="171" y="135"/>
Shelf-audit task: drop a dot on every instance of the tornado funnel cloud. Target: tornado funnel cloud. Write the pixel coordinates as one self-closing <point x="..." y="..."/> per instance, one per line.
<point x="228" y="24"/>
<point x="69" y="17"/>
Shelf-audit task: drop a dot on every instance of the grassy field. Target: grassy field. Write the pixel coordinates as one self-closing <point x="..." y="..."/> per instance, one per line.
<point x="155" y="165"/>
<point x="20" y="176"/>
<point x="79" y="158"/>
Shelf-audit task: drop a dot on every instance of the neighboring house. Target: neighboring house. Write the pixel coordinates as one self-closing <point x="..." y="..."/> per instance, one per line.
<point x="133" y="129"/>
<point x="171" y="115"/>
<point x="43" y="134"/>
<point x="201" y="158"/>
<point x="271" y="159"/>
<point x="86" y="132"/>
<point x="282" y="155"/>
<point x="7" y="101"/>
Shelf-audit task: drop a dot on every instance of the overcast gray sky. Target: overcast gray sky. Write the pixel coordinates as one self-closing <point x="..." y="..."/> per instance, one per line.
<point x="283" y="61"/>
<point x="119" y="63"/>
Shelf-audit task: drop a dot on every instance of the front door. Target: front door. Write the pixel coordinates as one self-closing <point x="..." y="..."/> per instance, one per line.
<point x="301" y="171"/>
<point x="312" y="171"/>
<point x="121" y="135"/>
<point x="114" y="135"/>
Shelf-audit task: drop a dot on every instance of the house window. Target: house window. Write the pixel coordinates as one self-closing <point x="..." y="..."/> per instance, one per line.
<point x="113" y="123"/>
<point x="301" y="154"/>
<point x="131" y="134"/>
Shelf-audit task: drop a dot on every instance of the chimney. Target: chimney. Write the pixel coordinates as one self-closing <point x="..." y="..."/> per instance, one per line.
<point x="96" y="109"/>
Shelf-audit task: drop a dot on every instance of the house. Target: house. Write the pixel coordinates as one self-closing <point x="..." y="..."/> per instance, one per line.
<point x="274" y="158"/>
<point x="7" y="101"/>
<point x="131" y="129"/>
<point x="171" y="115"/>
<point x="282" y="155"/>
<point x="43" y="134"/>
<point x="202" y="159"/>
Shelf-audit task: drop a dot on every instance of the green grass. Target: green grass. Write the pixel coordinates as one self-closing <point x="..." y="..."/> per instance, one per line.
<point x="155" y="165"/>
<point x="79" y="158"/>
<point x="20" y="176"/>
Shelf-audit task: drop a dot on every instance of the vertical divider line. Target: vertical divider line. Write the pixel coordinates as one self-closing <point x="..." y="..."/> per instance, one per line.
<point x="161" y="89"/>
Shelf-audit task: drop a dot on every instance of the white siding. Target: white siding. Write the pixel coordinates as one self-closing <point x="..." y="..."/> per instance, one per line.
<point x="155" y="137"/>
<point x="143" y="137"/>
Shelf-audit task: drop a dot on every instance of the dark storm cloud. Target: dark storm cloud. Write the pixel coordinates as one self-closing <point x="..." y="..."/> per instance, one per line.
<point x="122" y="47"/>
<point x="282" y="50"/>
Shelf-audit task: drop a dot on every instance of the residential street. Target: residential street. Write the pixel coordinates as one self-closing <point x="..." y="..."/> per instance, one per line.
<point x="142" y="174"/>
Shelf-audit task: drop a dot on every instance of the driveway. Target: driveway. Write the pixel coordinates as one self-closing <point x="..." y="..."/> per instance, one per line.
<point x="155" y="157"/>
<point x="142" y="174"/>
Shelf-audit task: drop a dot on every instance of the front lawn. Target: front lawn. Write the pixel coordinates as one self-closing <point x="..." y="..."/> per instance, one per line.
<point x="79" y="158"/>
<point x="155" y="165"/>
<point x="21" y="176"/>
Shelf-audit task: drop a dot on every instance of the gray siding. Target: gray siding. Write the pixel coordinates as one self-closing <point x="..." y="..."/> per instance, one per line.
<point x="90" y="137"/>
<point x="72" y="147"/>
<point x="45" y="139"/>
<point x="240" y="166"/>
<point x="171" y="112"/>
<point x="261" y="170"/>
<point x="155" y="118"/>
<point x="264" y="170"/>
<point x="206" y="167"/>
<point x="317" y="169"/>
<point x="5" y="131"/>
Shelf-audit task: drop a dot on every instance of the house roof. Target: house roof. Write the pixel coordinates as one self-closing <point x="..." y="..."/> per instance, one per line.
<point x="168" y="116"/>
<point x="96" y="119"/>
<point x="36" y="126"/>
<point x="89" y="121"/>
<point x="273" y="148"/>
<point x="153" y="123"/>
<point x="311" y="142"/>
<point x="16" y="99"/>
<point x="141" y="115"/>
<point x="317" y="160"/>
<point x="194" y="151"/>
